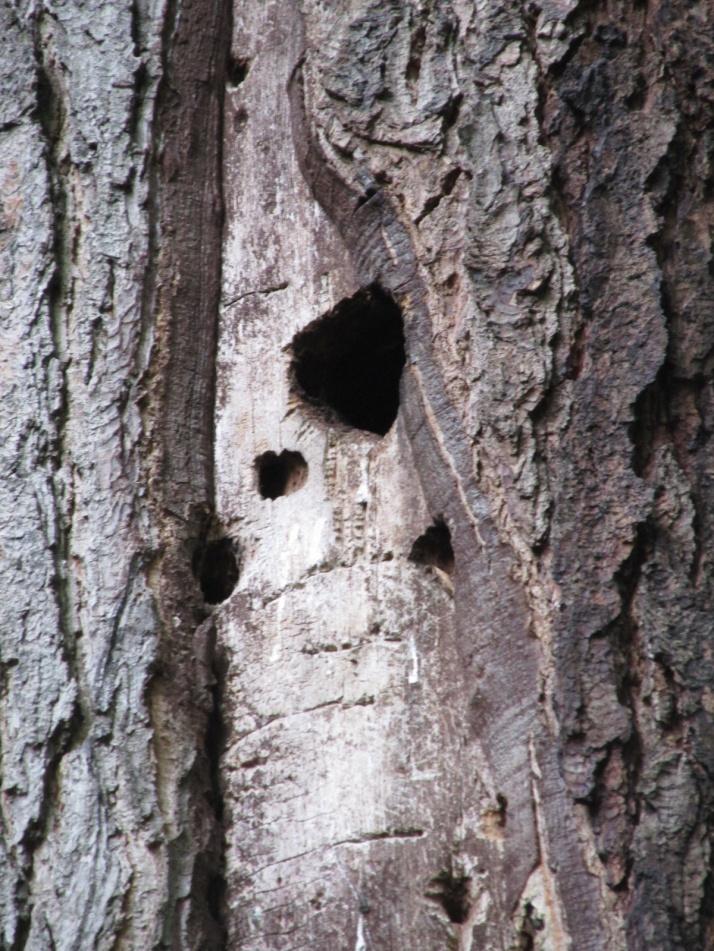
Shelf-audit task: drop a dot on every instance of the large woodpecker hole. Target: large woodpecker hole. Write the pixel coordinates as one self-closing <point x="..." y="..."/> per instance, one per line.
<point x="434" y="547"/>
<point x="280" y="474"/>
<point x="215" y="566"/>
<point x="349" y="361"/>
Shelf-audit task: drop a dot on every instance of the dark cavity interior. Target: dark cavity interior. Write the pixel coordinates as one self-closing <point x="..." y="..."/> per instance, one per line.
<point x="452" y="893"/>
<point x="280" y="474"/>
<point x="216" y="568"/>
<point x="349" y="361"/>
<point x="434" y="547"/>
<point x="236" y="71"/>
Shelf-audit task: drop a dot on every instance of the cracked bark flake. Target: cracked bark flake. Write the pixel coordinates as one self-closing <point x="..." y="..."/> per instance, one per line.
<point x="454" y="688"/>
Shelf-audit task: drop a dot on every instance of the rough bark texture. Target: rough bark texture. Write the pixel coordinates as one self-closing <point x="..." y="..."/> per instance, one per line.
<point x="111" y="260"/>
<point x="272" y="677"/>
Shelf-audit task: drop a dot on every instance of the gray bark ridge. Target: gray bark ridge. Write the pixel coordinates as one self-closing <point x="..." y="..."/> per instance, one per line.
<point x="98" y="794"/>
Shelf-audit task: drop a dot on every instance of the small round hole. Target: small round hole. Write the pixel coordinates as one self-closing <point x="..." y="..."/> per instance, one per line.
<point x="434" y="547"/>
<point x="236" y="71"/>
<point x="280" y="474"/>
<point x="452" y="893"/>
<point x="215" y="566"/>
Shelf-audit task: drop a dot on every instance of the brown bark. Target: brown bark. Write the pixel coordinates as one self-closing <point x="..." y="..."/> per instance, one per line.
<point x="629" y="118"/>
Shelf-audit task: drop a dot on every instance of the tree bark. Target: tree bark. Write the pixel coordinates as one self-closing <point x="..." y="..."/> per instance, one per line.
<point x="111" y="131"/>
<point x="356" y="494"/>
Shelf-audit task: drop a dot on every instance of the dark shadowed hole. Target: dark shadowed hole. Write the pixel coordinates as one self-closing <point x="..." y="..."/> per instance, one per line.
<point x="452" y="893"/>
<point x="216" y="568"/>
<point x="236" y="71"/>
<point x="280" y="474"/>
<point x="532" y="924"/>
<point x="349" y="361"/>
<point x="369" y="193"/>
<point x="434" y="547"/>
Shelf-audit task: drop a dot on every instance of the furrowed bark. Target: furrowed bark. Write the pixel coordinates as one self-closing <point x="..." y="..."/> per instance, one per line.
<point x="109" y="832"/>
<point x="302" y="647"/>
<point x="629" y="115"/>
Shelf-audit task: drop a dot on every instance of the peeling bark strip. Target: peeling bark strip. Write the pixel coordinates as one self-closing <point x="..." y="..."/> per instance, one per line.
<point x="381" y="332"/>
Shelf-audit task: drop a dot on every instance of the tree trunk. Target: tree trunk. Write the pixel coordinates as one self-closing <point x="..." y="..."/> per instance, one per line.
<point x="357" y="484"/>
